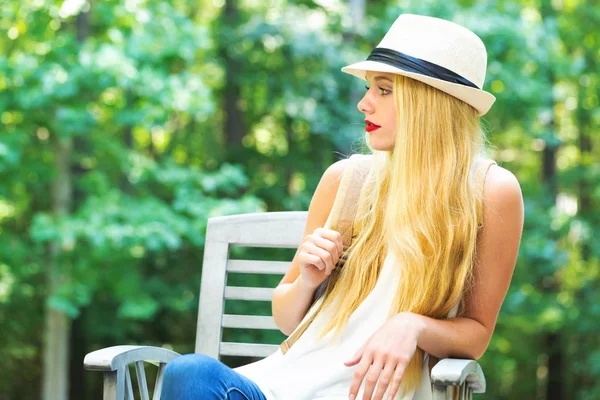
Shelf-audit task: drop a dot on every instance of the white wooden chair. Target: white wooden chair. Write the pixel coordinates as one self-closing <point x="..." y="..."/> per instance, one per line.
<point x="451" y="378"/>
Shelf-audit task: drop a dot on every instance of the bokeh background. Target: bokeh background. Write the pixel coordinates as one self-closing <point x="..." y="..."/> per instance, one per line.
<point x="126" y="124"/>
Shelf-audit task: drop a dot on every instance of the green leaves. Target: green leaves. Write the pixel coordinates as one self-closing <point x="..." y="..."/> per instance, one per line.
<point x="140" y="307"/>
<point x="147" y="93"/>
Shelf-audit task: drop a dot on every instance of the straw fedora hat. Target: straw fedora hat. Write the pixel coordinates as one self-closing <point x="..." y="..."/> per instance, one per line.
<point x="437" y="52"/>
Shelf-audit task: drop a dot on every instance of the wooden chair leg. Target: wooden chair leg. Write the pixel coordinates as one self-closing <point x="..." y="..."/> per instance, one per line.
<point x="114" y="385"/>
<point x="443" y="393"/>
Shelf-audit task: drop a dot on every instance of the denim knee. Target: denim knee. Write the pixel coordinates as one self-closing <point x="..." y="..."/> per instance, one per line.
<point x="196" y="376"/>
<point x="198" y="365"/>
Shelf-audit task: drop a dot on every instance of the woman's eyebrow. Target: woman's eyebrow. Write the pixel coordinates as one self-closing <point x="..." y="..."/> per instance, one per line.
<point x="383" y="78"/>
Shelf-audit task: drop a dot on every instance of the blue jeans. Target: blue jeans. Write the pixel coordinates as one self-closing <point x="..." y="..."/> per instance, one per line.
<point x="196" y="376"/>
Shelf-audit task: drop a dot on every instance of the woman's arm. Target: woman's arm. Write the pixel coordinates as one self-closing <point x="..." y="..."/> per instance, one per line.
<point x="292" y="297"/>
<point x="497" y="249"/>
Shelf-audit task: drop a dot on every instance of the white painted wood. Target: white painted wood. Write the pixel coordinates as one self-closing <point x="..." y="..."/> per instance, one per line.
<point x="248" y="293"/>
<point x="258" y="267"/>
<point x="117" y="357"/>
<point x="110" y="386"/>
<point x="442" y="393"/>
<point x="212" y="290"/>
<point x="114" y="385"/>
<point x="247" y="349"/>
<point x="454" y="372"/>
<point x="248" y="322"/>
<point x="115" y="360"/>
<point x="272" y="229"/>
<point x="159" y="381"/>
<point x="128" y="385"/>
<point x="141" y="377"/>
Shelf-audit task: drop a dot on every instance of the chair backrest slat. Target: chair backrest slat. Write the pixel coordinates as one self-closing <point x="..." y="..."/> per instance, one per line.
<point x="271" y="229"/>
<point x="266" y="230"/>
<point x="142" y="384"/>
<point x="248" y="293"/>
<point x="248" y="322"/>
<point x="159" y="382"/>
<point x="247" y="349"/>
<point x="128" y="385"/>
<point x="258" y="267"/>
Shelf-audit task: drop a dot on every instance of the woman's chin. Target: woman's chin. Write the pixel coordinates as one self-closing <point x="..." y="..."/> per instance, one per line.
<point x="380" y="146"/>
<point x="376" y="143"/>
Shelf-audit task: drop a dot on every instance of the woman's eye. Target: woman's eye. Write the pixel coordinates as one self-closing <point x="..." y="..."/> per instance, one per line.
<point x="384" y="92"/>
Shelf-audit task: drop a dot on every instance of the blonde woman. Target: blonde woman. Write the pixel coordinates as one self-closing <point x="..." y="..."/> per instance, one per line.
<point x="439" y="227"/>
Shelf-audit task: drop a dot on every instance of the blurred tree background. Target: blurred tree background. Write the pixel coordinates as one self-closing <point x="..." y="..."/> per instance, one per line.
<point x="126" y="124"/>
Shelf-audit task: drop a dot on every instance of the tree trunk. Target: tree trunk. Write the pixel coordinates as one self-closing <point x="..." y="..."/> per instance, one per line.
<point x="77" y="351"/>
<point x="234" y="116"/>
<point x="57" y="330"/>
<point x="128" y="144"/>
<point x="586" y="210"/>
<point x="289" y="159"/>
<point x="357" y="9"/>
<point x="357" y="12"/>
<point x="585" y="161"/>
<point x="556" y="374"/>
<point x="55" y="373"/>
<point x="553" y="340"/>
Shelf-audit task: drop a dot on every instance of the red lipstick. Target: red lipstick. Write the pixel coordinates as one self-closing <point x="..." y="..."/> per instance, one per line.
<point x="371" y="126"/>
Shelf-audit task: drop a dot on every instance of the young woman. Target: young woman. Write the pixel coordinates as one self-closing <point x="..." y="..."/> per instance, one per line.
<point x="439" y="228"/>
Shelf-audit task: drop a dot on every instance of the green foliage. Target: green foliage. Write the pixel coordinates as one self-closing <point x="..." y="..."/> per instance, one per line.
<point x="140" y="94"/>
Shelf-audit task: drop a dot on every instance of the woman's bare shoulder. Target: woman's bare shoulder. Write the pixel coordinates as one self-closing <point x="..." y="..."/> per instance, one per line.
<point x="502" y="187"/>
<point x="503" y="207"/>
<point x="327" y="188"/>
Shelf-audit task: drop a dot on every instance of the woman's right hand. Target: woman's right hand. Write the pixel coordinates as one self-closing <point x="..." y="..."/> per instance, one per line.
<point x="318" y="255"/>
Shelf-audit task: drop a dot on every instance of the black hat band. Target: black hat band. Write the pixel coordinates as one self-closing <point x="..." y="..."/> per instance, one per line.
<point x="416" y="65"/>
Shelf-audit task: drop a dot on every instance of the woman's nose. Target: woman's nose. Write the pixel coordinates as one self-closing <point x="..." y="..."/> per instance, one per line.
<point x="364" y="105"/>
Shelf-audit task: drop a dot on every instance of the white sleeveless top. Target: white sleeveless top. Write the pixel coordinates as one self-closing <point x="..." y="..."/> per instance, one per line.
<point x="314" y="369"/>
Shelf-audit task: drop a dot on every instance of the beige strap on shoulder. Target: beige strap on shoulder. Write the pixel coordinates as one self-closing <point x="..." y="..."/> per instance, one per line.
<point x="349" y="199"/>
<point x="341" y="219"/>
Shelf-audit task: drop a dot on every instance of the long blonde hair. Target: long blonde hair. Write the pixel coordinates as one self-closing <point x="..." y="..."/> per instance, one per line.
<point x="422" y="202"/>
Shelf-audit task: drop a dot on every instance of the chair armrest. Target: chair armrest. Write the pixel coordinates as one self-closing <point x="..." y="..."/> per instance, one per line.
<point x="454" y="372"/>
<point x="117" y="357"/>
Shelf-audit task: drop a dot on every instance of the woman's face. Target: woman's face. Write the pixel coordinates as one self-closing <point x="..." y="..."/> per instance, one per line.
<point x="379" y="109"/>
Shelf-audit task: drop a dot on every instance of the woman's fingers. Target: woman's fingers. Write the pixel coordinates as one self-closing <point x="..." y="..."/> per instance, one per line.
<point x="371" y="379"/>
<point x="382" y="373"/>
<point x="326" y="250"/>
<point x="333" y="236"/>
<point x="396" y="380"/>
<point x="385" y="379"/>
<point x="313" y="255"/>
<point x="325" y="261"/>
<point x="359" y="373"/>
<point x="334" y="250"/>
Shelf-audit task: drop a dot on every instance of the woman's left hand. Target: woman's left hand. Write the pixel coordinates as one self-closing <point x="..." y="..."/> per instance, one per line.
<point x="384" y="357"/>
